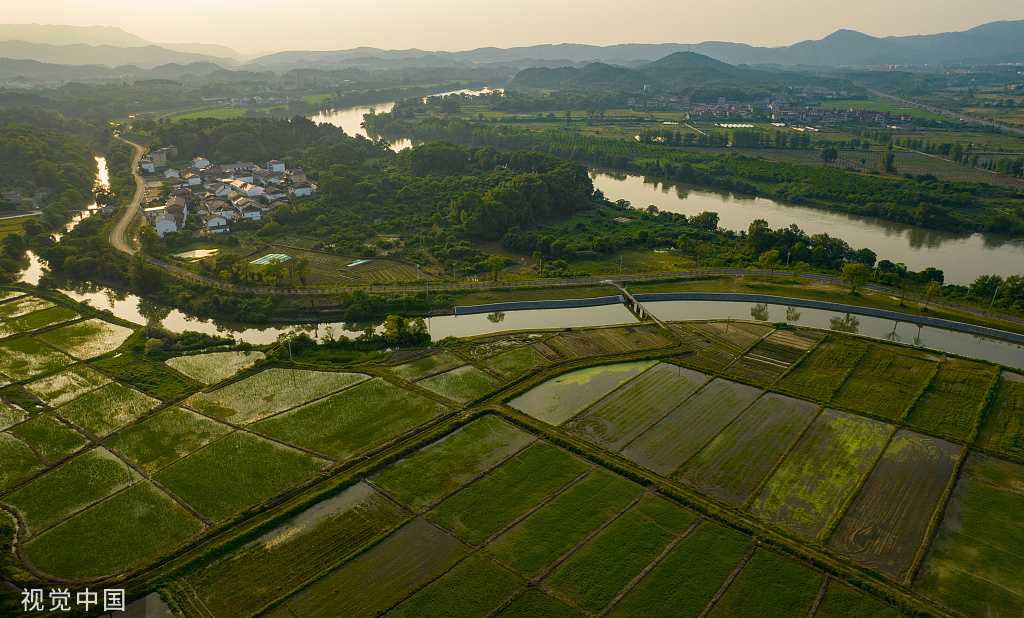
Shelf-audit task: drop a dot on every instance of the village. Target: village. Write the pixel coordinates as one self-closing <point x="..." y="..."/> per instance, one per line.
<point x="217" y="195"/>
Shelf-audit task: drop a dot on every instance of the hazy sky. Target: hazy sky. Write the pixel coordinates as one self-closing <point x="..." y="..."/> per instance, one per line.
<point x="257" y="25"/>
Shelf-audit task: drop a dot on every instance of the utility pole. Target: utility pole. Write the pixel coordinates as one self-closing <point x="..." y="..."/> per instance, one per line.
<point x="714" y="258"/>
<point x="455" y="278"/>
<point x="994" y="295"/>
<point x="788" y="253"/>
<point x="620" y="265"/>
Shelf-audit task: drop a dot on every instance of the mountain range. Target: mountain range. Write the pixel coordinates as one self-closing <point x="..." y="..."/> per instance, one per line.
<point x="993" y="43"/>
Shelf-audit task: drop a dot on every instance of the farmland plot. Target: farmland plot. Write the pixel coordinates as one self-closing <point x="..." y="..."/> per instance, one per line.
<point x="769" y="586"/>
<point x="628" y="338"/>
<point x="507" y="492"/>
<point x="215" y="366"/>
<point x="665" y="513"/>
<point x="87" y="339"/>
<point x="444" y="466"/>
<point x="629" y="411"/>
<point x="51" y="438"/>
<point x="103" y="540"/>
<point x="535" y="604"/>
<point x="463" y="384"/>
<point x="9" y="416"/>
<point x="382" y="576"/>
<point x="165" y="438"/>
<point x="950" y="405"/>
<point x="23" y="306"/>
<point x="235" y="472"/>
<point x="151" y="377"/>
<point x="6" y="329"/>
<point x="10" y="294"/>
<point x="472" y="588"/>
<point x="270" y="391"/>
<point x="842" y="601"/>
<point x="17" y="461"/>
<point x="57" y="389"/>
<point x="733" y="465"/>
<point x="514" y="362"/>
<point x="107" y="408"/>
<point x="816" y="478"/>
<point x="823" y="371"/>
<point x="976" y="562"/>
<point x="536" y="542"/>
<point x="577" y="344"/>
<point x="296" y="551"/>
<point x="42" y="319"/>
<point x="886" y="523"/>
<point x="773" y="355"/>
<point x="735" y="337"/>
<point x="428" y="365"/>
<point x="884" y="383"/>
<point x="1003" y="429"/>
<point x="561" y="398"/>
<point x="593" y="575"/>
<point x="353" y="420"/>
<point x="69" y="488"/>
<point x="684" y="582"/>
<point x="686" y="429"/>
<point x="23" y="357"/>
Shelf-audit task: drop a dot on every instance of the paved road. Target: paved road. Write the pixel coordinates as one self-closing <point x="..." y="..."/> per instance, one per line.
<point x="117" y="236"/>
<point x="947" y="112"/>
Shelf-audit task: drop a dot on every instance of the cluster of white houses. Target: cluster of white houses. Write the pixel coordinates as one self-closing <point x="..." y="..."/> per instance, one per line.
<point x="220" y="194"/>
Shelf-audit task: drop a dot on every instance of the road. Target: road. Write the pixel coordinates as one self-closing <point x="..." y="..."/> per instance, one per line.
<point x="117" y="236"/>
<point x="946" y="112"/>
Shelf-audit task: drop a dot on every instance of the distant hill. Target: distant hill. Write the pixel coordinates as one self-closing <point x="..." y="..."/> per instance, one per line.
<point x="109" y="55"/>
<point x="70" y="35"/>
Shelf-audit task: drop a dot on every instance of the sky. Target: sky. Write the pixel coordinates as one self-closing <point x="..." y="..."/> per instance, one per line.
<point x="272" y="25"/>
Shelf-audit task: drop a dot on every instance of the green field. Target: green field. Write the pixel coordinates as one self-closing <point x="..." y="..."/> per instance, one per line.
<point x="976" y="562"/>
<point x="269" y="392"/>
<point x="107" y="408"/>
<point x="85" y="479"/>
<point x="810" y="486"/>
<point x="733" y="465"/>
<point x="686" y="429"/>
<point x="102" y="540"/>
<point x="886" y="524"/>
<point x="561" y="398"/>
<point x="535" y="604"/>
<point x="60" y="388"/>
<point x="686" y="580"/>
<point x="631" y="410"/>
<point x="514" y="362"/>
<point x="430" y="364"/>
<point x="471" y="589"/>
<point x="508" y="492"/>
<point x="442" y="467"/>
<point x="537" y="541"/>
<point x="23" y="357"/>
<point x="949" y="406"/>
<point x="10" y="416"/>
<point x="146" y="375"/>
<point x="885" y="382"/>
<point x="235" y="472"/>
<point x="665" y="513"/>
<point x="382" y="576"/>
<point x="18" y="461"/>
<point x="462" y="384"/>
<point x="769" y="586"/>
<point x="822" y="372"/>
<point x="592" y="576"/>
<point x="352" y="421"/>
<point x="23" y="306"/>
<point x="52" y="439"/>
<point x="88" y="338"/>
<point x="843" y="602"/>
<point x="215" y="366"/>
<point x="165" y="438"/>
<point x="44" y="318"/>
<point x="296" y="551"/>
<point x="1003" y="429"/>
<point x="223" y="113"/>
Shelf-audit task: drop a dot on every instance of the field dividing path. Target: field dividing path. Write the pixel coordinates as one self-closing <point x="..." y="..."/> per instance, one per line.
<point x="117" y="236"/>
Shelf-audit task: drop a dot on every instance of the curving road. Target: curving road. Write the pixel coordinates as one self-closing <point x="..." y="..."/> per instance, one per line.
<point x="117" y="236"/>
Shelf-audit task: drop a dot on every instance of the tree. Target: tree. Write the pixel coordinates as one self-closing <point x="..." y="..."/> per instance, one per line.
<point x="829" y="154"/>
<point x="301" y="268"/>
<point x="149" y="239"/>
<point x="800" y="268"/>
<point x="495" y="263"/>
<point x="768" y="260"/>
<point x="933" y="288"/>
<point x="855" y="274"/>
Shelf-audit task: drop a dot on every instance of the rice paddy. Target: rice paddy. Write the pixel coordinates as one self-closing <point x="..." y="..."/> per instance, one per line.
<point x="1003" y="429"/>
<point x="215" y="366"/>
<point x="18" y="459"/>
<point x="770" y="586"/>
<point x="430" y="364"/>
<point x="516" y="361"/>
<point x="50" y="437"/>
<point x="561" y="398"/>
<point x="463" y="384"/>
<point x="44" y="318"/>
<point x="57" y="389"/>
<point x="9" y="416"/>
<point x="268" y="392"/>
<point x="23" y="306"/>
<point x="885" y="383"/>
<point x="950" y="406"/>
<point x="107" y="408"/>
<point x="165" y="438"/>
<point x="23" y="357"/>
<point x="87" y="339"/>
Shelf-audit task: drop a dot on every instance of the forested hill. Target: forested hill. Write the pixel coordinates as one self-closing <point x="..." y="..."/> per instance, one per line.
<point x="682" y="72"/>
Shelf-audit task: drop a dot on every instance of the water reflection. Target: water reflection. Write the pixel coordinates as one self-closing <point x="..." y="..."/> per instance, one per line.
<point x="760" y="312"/>
<point x="965" y="344"/>
<point x="961" y="257"/>
<point x="497" y="316"/>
